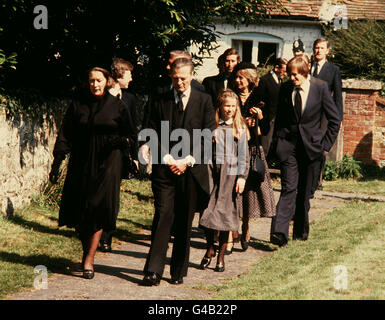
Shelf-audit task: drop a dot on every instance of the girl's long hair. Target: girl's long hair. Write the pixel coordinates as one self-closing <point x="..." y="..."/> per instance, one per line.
<point x="239" y="124"/>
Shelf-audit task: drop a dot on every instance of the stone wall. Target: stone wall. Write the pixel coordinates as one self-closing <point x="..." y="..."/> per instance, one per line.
<point x="364" y="121"/>
<point x="25" y="159"/>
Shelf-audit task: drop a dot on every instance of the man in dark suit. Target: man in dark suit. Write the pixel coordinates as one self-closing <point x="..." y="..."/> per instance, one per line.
<point x="226" y="63"/>
<point x="179" y="182"/>
<point x="267" y="91"/>
<point x="327" y="71"/>
<point x="165" y="83"/>
<point x="300" y="146"/>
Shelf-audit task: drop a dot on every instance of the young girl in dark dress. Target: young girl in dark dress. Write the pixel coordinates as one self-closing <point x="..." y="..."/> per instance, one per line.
<point x="228" y="175"/>
<point x="95" y="131"/>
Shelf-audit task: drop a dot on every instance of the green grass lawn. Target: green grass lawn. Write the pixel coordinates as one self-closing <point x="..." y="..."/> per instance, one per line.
<point x="372" y="187"/>
<point x="352" y="236"/>
<point x="32" y="237"/>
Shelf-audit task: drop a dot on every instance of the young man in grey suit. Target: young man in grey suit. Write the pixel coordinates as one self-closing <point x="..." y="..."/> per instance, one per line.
<point x="327" y="71"/>
<point x="179" y="182"/>
<point x="300" y="146"/>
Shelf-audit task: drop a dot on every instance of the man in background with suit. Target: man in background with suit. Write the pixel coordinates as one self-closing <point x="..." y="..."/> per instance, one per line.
<point x="324" y="70"/>
<point x="226" y="63"/>
<point x="268" y="90"/>
<point x="300" y="146"/>
<point x="180" y="183"/>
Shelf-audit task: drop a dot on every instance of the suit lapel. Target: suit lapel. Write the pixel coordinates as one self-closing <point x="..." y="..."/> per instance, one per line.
<point x="189" y="110"/>
<point x="324" y="70"/>
<point x="309" y="101"/>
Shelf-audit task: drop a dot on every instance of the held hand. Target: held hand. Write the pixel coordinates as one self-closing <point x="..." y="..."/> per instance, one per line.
<point x="178" y="167"/>
<point x="240" y="186"/>
<point x="256" y="111"/>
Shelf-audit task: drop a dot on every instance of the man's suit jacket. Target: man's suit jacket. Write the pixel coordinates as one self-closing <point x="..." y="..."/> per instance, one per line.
<point x="199" y="114"/>
<point x="288" y="127"/>
<point x="267" y="92"/>
<point x="214" y="84"/>
<point x="164" y="86"/>
<point x="332" y="75"/>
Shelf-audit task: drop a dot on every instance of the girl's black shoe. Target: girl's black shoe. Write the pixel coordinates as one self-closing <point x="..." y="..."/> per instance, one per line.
<point x="205" y="262"/>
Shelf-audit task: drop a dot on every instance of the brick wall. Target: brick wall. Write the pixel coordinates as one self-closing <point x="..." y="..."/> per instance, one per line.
<point x="364" y="121"/>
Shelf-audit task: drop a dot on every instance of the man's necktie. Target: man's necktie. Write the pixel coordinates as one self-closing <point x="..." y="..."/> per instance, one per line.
<point x="315" y="73"/>
<point x="180" y="102"/>
<point x="298" y="102"/>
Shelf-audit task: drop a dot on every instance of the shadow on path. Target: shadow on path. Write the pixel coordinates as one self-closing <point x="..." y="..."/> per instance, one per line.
<point x="55" y="265"/>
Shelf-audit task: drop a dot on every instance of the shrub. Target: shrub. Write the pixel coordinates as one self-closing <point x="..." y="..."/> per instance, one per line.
<point x="359" y="50"/>
<point x="330" y="171"/>
<point x="347" y="168"/>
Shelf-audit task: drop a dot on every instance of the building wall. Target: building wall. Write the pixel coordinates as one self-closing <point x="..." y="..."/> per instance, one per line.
<point x="282" y="32"/>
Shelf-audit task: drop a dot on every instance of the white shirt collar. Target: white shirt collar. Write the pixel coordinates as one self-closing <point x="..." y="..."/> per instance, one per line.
<point x="304" y="92"/>
<point x="115" y="91"/>
<point x="228" y="122"/>
<point x="320" y="64"/>
<point x="185" y="97"/>
<point x="275" y="76"/>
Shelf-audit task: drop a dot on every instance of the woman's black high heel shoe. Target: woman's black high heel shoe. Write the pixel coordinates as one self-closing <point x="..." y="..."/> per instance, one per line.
<point x="220" y="267"/>
<point x="88" y="274"/>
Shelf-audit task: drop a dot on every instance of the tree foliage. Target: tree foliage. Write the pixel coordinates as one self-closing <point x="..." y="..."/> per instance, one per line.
<point x="360" y="49"/>
<point x="84" y="33"/>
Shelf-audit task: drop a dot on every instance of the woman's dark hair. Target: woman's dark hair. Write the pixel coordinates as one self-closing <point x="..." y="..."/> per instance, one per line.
<point x="102" y="70"/>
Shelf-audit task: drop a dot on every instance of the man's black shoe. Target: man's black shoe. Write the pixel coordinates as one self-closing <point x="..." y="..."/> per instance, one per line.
<point x="151" y="279"/>
<point x="176" y="280"/>
<point x="301" y="238"/>
<point x="278" y="239"/>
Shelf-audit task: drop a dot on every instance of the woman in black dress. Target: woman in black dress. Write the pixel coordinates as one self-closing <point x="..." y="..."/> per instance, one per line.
<point x="258" y="201"/>
<point x="95" y="131"/>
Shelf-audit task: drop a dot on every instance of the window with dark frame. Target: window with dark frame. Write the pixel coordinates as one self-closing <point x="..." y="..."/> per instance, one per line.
<point x="267" y="52"/>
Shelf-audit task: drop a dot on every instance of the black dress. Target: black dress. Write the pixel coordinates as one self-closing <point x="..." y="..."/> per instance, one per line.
<point x="94" y="133"/>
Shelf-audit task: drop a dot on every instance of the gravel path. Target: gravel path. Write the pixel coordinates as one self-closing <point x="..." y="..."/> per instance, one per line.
<point x="118" y="274"/>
